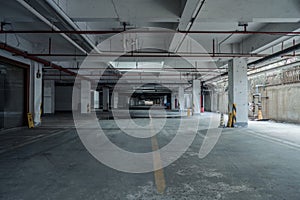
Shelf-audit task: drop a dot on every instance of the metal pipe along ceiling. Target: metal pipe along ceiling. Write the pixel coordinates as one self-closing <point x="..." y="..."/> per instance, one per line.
<point x="157" y="55"/>
<point x="194" y="16"/>
<point x="280" y="53"/>
<point x="18" y="52"/>
<point x="52" y="26"/>
<point x="102" y="32"/>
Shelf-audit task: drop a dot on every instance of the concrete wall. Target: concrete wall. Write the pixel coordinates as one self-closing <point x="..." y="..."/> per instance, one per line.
<point x="216" y="100"/>
<point x="282" y="103"/>
<point x="279" y="103"/>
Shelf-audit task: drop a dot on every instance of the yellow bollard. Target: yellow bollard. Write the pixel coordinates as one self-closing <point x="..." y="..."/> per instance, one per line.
<point x="222" y="121"/>
<point x="188" y="112"/>
<point x="259" y="115"/>
<point x="30" y="120"/>
<point x="229" y="124"/>
<point x="233" y="115"/>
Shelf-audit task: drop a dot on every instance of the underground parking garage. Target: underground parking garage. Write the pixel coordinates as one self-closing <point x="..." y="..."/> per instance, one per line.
<point x="149" y="99"/>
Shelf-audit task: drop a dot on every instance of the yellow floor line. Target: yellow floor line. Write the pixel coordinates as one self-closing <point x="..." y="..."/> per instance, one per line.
<point x="158" y="174"/>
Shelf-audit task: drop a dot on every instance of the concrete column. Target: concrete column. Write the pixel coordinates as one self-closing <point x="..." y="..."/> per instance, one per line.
<point x="173" y="98"/>
<point x="96" y="99"/>
<point x="49" y="97"/>
<point x="202" y="98"/>
<point x="181" y="98"/>
<point x="85" y="96"/>
<point x="36" y="91"/>
<point x="105" y="99"/>
<point x="196" y="97"/>
<point x="116" y="100"/>
<point x="121" y="100"/>
<point x="2" y="100"/>
<point x="126" y="101"/>
<point x="238" y="89"/>
<point x="188" y="101"/>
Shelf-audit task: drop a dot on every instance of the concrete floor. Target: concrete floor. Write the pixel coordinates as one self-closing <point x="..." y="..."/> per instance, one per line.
<point x="50" y="162"/>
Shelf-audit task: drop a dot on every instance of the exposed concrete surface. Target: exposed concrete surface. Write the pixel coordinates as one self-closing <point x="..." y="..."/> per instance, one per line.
<point x="282" y="103"/>
<point x="241" y="166"/>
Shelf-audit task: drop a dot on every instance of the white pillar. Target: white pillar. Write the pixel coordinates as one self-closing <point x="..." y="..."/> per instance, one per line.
<point x="122" y="100"/>
<point x="116" y="100"/>
<point x="96" y="99"/>
<point x="196" y="97"/>
<point x="188" y="103"/>
<point x="85" y="96"/>
<point x="36" y="77"/>
<point x="181" y="98"/>
<point x="238" y="89"/>
<point x="127" y="101"/>
<point x="49" y="97"/>
<point x="105" y="99"/>
<point x="165" y="100"/>
<point x="173" y="97"/>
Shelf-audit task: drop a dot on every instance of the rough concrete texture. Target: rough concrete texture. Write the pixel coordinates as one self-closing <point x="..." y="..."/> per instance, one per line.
<point x="280" y="103"/>
<point x="259" y="162"/>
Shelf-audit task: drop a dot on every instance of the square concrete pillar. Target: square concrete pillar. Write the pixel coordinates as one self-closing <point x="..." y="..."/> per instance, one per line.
<point x="105" y="98"/>
<point x="196" y="97"/>
<point x="173" y="101"/>
<point x="181" y="98"/>
<point x="188" y="101"/>
<point x="49" y="97"/>
<point x="36" y="69"/>
<point x="85" y="96"/>
<point x="238" y="90"/>
<point x="96" y="100"/>
<point x="115" y="100"/>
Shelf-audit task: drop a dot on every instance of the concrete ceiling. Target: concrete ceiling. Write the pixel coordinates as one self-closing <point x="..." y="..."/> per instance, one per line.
<point x="213" y="15"/>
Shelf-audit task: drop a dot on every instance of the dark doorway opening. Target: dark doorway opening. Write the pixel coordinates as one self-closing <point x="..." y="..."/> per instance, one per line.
<point x="14" y="93"/>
